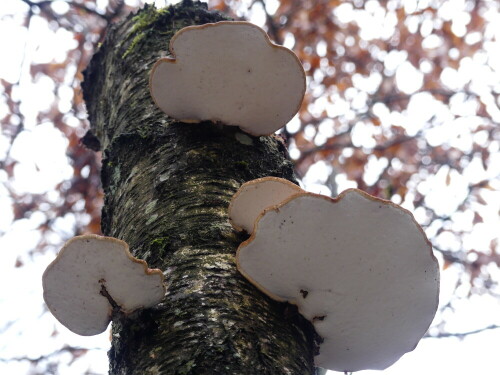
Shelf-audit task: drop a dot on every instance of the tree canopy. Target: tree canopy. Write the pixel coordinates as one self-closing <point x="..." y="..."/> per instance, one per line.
<point x="402" y="102"/>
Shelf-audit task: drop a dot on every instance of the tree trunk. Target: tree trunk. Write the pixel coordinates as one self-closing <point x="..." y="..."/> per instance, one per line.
<point x="167" y="189"/>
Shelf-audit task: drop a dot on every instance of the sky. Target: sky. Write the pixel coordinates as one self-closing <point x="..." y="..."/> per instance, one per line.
<point x="42" y="164"/>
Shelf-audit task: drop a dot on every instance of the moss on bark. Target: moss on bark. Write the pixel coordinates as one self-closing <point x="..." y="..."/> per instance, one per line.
<point x="167" y="188"/>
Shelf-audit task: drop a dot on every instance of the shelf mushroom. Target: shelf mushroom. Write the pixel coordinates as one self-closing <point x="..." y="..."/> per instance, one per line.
<point x="92" y="277"/>
<point x="255" y="196"/>
<point x="229" y="72"/>
<point x="359" y="268"/>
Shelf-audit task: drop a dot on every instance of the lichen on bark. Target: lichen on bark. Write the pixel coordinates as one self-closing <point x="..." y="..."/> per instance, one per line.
<point x="167" y="188"/>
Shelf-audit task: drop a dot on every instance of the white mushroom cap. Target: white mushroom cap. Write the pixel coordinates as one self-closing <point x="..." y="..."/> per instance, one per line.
<point x="359" y="268"/>
<point x="88" y="265"/>
<point x="253" y="197"/>
<point x="229" y="72"/>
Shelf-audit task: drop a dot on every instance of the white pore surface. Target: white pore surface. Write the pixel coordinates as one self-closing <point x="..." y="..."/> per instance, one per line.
<point x="72" y="283"/>
<point x="229" y="72"/>
<point x="361" y="265"/>
<point x="253" y="197"/>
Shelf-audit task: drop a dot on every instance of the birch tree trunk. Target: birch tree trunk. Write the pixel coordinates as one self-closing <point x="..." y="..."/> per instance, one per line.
<point x="167" y="189"/>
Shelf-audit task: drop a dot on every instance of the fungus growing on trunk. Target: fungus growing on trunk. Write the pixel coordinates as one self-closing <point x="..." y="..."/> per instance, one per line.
<point x="229" y="72"/>
<point x="93" y="277"/>
<point x="359" y="268"/>
<point x="255" y="196"/>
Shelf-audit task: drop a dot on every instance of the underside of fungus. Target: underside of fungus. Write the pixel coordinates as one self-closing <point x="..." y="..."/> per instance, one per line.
<point x="94" y="277"/>
<point x="229" y="72"/>
<point x="359" y="268"/>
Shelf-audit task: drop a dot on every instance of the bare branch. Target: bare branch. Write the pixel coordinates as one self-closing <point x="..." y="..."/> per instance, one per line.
<point x="461" y="335"/>
<point x="380" y="147"/>
<point x="44" y="4"/>
<point x="453" y="256"/>
<point x="272" y="27"/>
<point x="75" y="350"/>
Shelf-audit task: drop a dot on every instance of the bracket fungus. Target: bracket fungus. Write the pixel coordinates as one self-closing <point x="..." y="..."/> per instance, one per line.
<point x="255" y="196"/>
<point x="229" y="72"/>
<point x="93" y="277"/>
<point x="359" y="268"/>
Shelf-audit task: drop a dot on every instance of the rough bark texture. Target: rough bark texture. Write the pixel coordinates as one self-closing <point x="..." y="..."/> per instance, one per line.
<point x="167" y="188"/>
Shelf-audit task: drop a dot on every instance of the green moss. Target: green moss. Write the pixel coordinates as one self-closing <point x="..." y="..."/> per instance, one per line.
<point x="134" y="43"/>
<point x="159" y="246"/>
<point x="142" y="26"/>
<point x="203" y="155"/>
<point x="158" y="242"/>
<point x="241" y="164"/>
<point x="186" y="369"/>
<point x="144" y="19"/>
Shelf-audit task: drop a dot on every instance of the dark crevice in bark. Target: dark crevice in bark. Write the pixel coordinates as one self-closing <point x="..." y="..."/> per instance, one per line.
<point x="167" y="189"/>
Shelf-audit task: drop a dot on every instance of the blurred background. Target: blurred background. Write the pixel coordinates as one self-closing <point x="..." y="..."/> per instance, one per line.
<point x="402" y="102"/>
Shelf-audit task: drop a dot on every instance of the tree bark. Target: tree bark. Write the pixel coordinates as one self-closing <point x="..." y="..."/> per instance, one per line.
<point x="167" y="189"/>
